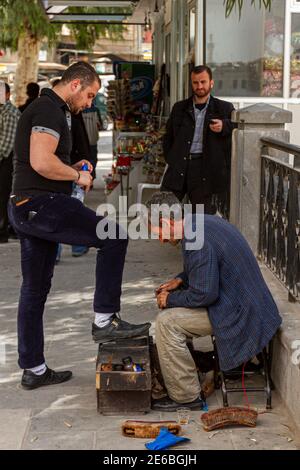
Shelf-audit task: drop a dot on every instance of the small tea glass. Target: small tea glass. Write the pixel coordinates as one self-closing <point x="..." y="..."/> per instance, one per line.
<point x="183" y="415"/>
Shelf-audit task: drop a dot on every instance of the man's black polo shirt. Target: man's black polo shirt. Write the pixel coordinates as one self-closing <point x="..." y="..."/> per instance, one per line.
<point x="48" y="114"/>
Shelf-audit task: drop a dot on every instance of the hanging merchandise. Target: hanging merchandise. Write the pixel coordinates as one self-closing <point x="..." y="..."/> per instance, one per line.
<point x="137" y="148"/>
<point x="154" y="162"/>
<point x="119" y="104"/>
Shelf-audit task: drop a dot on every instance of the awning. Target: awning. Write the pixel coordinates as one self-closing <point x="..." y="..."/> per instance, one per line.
<point x="56" y="11"/>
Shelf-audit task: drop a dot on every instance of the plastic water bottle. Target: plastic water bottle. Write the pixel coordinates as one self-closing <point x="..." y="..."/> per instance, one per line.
<point x="78" y="191"/>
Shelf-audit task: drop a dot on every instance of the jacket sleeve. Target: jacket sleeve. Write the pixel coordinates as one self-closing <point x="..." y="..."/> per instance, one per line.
<point x="183" y="276"/>
<point x="228" y="125"/>
<point x="168" y="137"/>
<point x="203" y="281"/>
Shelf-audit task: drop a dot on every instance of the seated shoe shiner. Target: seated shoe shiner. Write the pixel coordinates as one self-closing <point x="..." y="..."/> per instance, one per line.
<point x="221" y="292"/>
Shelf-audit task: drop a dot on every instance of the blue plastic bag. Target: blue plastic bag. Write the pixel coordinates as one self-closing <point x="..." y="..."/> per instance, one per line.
<point x="164" y="440"/>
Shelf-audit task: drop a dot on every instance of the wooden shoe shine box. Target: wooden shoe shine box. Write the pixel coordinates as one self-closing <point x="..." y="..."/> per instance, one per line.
<point x="120" y="392"/>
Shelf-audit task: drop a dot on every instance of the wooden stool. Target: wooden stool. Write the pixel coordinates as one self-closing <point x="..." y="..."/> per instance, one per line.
<point x="265" y="361"/>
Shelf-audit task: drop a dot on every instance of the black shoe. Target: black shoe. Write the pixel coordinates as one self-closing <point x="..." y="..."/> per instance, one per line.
<point x="166" y="404"/>
<point x="118" y="329"/>
<point x="50" y="377"/>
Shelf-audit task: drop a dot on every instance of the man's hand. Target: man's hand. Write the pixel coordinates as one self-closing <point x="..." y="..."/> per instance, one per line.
<point x="162" y="299"/>
<point x="85" y="180"/>
<point x="78" y="165"/>
<point x="217" y="125"/>
<point x="173" y="284"/>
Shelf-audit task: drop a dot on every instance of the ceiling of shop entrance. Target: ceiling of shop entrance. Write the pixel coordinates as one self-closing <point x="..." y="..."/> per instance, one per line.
<point x="116" y="11"/>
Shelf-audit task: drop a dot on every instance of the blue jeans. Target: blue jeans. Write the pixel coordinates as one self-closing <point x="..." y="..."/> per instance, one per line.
<point x="59" y="219"/>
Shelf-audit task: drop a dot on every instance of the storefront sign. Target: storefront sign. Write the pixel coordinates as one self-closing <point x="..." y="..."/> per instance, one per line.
<point x="140" y="87"/>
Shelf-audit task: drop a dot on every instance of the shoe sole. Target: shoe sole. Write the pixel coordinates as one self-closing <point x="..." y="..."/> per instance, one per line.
<point x="113" y="338"/>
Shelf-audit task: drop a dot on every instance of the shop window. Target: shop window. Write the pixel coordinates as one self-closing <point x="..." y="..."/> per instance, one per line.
<point x="247" y="54"/>
<point x="295" y="56"/>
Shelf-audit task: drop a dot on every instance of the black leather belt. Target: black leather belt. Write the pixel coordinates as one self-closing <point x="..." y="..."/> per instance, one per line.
<point x="195" y="156"/>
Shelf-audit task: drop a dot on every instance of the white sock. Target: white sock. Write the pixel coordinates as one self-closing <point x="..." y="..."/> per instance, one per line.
<point x="102" y="319"/>
<point x="39" y="370"/>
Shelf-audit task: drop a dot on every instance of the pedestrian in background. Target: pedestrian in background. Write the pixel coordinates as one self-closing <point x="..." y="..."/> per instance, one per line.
<point x="92" y="121"/>
<point x="9" y="116"/>
<point x="32" y="91"/>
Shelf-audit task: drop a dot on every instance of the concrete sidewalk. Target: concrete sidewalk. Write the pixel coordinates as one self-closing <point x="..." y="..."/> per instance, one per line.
<point x="65" y="416"/>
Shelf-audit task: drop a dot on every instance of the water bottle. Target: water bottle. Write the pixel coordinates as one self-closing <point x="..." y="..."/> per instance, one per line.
<point x="78" y="191"/>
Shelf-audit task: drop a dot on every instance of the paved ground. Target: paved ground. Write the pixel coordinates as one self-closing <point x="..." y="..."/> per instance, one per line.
<point x="65" y="416"/>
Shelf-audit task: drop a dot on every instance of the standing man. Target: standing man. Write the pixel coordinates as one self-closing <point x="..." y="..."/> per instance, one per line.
<point x="9" y="116"/>
<point x="197" y="144"/>
<point x="44" y="214"/>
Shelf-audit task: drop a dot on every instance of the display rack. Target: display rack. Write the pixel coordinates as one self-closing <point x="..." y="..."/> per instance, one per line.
<point x="137" y="158"/>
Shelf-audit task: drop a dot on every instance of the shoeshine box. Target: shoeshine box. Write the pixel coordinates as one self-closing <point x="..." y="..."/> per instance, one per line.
<point x="121" y="392"/>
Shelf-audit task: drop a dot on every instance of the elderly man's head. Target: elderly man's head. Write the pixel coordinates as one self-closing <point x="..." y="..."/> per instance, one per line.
<point x="165" y="217"/>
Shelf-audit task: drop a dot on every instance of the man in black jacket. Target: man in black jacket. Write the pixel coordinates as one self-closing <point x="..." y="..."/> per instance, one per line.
<point x="197" y="144"/>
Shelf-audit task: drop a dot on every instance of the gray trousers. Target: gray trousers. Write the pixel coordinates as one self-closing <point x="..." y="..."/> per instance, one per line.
<point x="173" y="327"/>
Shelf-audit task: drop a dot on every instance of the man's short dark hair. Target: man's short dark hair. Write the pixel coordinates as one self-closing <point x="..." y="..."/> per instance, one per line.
<point x="7" y="88"/>
<point x="82" y="71"/>
<point x="201" y="69"/>
<point x="33" y="90"/>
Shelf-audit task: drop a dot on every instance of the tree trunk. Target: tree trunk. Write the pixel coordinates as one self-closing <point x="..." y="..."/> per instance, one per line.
<point x="28" y="63"/>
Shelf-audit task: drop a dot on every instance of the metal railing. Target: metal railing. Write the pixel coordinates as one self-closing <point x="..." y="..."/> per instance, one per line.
<point x="279" y="244"/>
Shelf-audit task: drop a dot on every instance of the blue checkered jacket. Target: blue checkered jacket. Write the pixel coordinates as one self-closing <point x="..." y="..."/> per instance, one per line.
<point x="224" y="276"/>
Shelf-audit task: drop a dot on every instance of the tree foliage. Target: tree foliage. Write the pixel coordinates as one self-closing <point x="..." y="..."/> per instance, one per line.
<point x="87" y="34"/>
<point x="231" y="4"/>
<point x="18" y="17"/>
<point x="28" y="16"/>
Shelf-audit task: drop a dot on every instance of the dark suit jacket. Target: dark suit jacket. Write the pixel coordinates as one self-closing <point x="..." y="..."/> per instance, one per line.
<point x="80" y="140"/>
<point x="224" y="276"/>
<point x="216" y="147"/>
